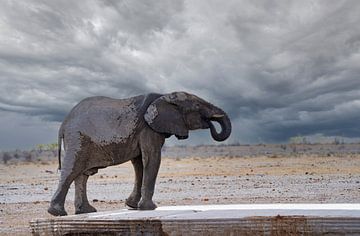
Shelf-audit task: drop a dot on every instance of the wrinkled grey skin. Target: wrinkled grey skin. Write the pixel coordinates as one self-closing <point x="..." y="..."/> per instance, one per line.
<point x="101" y="132"/>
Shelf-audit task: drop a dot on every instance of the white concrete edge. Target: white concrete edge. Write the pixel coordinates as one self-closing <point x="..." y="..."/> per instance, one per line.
<point x="279" y="206"/>
<point x="256" y="208"/>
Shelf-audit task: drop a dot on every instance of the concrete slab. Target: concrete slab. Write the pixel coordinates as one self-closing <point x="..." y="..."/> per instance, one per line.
<point x="251" y="219"/>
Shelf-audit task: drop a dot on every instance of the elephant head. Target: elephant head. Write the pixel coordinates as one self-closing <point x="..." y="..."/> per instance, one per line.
<point x="177" y="113"/>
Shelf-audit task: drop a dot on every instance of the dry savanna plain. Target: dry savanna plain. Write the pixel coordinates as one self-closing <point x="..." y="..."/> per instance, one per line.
<point x="325" y="173"/>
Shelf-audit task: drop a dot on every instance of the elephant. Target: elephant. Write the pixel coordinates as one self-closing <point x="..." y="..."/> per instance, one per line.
<point x="102" y="131"/>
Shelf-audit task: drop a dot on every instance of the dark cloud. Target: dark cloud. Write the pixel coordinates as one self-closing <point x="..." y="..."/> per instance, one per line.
<point x="279" y="68"/>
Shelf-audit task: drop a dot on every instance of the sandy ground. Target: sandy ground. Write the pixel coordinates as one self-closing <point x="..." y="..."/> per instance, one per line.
<point x="26" y="188"/>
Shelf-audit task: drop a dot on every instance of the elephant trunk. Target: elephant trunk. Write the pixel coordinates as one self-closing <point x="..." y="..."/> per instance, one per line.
<point x="225" y="124"/>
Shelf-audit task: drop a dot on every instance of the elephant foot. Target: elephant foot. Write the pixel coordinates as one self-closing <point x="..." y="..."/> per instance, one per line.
<point x="86" y="208"/>
<point x="57" y="210"/>
<point x="146" y="205"/>
<point x="132" y="202"/>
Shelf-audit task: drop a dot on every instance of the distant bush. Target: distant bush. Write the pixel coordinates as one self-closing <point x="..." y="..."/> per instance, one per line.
<point x="42" y="152"/>
<point x="6" y="157"/>
<point x="47" y="147"/>
<point x="298" y="140"/>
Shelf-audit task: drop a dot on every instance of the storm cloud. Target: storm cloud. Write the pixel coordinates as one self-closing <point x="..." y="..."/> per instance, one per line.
<point x="278" y="68"/>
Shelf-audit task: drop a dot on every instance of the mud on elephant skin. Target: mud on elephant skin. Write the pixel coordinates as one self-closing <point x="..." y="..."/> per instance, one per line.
<point x="101" y="131"/>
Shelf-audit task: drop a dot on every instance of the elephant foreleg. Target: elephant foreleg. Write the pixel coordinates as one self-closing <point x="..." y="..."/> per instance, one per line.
<point x="134" y="198"/>
<point x="151" y="144"/>
<point x="82" y="204"/>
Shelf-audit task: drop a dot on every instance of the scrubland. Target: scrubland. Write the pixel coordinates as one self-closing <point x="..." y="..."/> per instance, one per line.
<point x="193" y="175"/>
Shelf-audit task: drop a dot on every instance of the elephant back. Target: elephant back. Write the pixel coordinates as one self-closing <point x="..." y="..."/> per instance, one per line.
<point x="104" y="120"/>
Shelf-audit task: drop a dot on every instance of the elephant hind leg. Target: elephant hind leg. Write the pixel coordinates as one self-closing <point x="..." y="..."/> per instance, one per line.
<point x="134" y="198"/>
<point x="71" y="169"/>
<point x="82" y="204"/>
<point x="57" y="202"/>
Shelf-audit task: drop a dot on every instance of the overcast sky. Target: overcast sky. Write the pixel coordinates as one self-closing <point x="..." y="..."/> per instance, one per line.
<point x="278" y="68"/>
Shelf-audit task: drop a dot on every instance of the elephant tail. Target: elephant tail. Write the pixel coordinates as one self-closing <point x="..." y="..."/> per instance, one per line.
<point x="60" y="138"/>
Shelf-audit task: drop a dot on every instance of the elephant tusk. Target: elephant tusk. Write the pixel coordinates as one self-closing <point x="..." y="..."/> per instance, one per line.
<point x="218" y="116"/>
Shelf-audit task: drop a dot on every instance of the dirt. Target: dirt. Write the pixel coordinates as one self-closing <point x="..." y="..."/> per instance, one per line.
<point x="26" y="188"/>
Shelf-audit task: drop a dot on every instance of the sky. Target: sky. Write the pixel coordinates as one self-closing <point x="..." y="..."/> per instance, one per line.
<point x="278" y="68"/>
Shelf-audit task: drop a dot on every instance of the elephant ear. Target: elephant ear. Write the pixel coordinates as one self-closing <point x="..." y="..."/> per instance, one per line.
<point x="166" y="118"/>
